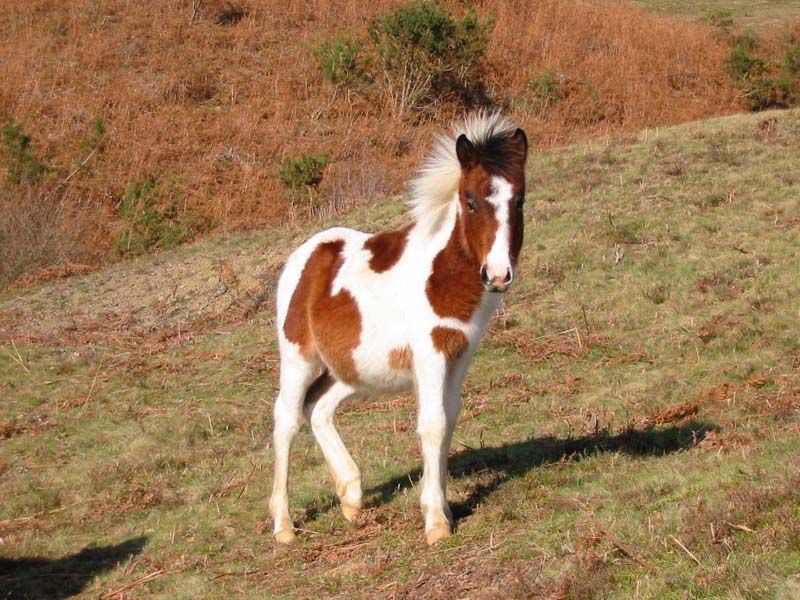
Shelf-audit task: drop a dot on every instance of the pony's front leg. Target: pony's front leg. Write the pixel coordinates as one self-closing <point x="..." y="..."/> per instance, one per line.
<point x="432" y="427"/>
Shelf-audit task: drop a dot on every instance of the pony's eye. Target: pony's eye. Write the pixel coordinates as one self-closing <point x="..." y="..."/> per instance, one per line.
<point x="470" y="202"/>
<point x="520" y="201"/>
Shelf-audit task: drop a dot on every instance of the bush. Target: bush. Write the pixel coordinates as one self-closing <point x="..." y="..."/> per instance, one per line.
<point x="547" y="89"/>
<point x="148" y="227"/>
<point x="791" y="62"/>
<point x="765" y="84"/>
<point x="303" y="172"/>
<point x="340" y="61"/>
<point x="23" y="166"/>
<point x="742" y="63"/>
<point x="425" y="54"/>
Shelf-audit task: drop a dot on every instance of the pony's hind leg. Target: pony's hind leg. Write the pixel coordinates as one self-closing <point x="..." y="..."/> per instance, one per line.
<point x="296" y="376"/>
<point x="320" y="405"/>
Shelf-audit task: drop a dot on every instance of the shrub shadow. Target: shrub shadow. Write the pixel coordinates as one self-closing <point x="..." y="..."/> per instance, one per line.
<point x="52" y="579"/>
<point x="515" y="459"/>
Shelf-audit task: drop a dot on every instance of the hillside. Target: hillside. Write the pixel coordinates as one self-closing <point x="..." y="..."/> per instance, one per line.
<point x="631" y="424"/>
<point x="202" y="106"/>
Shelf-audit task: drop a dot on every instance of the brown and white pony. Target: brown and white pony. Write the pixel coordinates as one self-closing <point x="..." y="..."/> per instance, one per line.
<point x="401" y="309"/>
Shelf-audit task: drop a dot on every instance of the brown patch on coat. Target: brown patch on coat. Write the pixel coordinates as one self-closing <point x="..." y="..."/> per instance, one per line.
<point x="387" y="248"/>
<point x="296" y="327"/>
<point x="454" y="288"/>
<point x="320" y="322"/>
<point x="401" y="358"/>
<point x="450" y="342"/>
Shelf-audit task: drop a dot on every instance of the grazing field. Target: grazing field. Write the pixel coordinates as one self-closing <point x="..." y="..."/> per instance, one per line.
<point x="631" y="425"/>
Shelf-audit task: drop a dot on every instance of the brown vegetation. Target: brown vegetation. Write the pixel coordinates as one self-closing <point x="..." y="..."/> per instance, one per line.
<point x="211" y="96"/>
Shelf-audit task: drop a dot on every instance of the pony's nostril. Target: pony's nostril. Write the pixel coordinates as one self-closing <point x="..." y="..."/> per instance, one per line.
<point x="485" y="275"/>
<point x="509" y="276"/>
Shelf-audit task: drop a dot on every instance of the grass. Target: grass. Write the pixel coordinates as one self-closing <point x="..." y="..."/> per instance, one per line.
<point x="631" y="425"/>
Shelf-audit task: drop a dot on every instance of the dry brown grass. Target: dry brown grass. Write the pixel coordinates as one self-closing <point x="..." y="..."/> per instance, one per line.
<point x="213" y="100"/>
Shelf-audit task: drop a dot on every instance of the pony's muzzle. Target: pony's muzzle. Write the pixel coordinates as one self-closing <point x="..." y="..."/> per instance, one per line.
<point x="496" y="279"/>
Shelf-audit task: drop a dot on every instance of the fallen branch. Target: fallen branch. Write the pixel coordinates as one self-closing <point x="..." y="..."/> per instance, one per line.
<point x="624" y="550"/>
<point x="140" y="581"/>
<point x="18" y="520"/>
<point x="740" y="527"/>
<point x="685" y="549"/>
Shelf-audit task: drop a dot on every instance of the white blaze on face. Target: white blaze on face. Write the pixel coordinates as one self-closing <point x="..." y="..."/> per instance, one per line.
<point x="498" y="261"/>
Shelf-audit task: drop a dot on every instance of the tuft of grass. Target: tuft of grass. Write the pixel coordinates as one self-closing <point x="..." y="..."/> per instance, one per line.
<point x="341" y="61"/>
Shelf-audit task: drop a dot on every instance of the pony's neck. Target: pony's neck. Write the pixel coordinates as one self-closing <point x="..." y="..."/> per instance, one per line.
<point x="453" y="288"/>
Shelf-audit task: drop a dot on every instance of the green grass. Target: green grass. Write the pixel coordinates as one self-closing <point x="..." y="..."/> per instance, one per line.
<point x="631" y="425"/>
<point x="749" y="12"/>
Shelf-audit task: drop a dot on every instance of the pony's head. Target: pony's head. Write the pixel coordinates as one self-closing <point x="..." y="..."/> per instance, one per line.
<point x="491" y="194"/>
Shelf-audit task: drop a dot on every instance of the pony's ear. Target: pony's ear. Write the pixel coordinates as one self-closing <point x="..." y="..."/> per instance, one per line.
<point x="465" y="150"/>
<point x="521" y="140"/>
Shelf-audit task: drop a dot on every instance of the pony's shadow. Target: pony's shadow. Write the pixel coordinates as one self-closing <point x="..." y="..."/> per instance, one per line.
<point x="54" y="579"/>
<point x="515" y="459"/>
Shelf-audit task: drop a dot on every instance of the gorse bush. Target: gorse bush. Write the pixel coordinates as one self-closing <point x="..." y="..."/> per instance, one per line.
<point x="304" y="171"/>
<point x="424" y="54"/>
<point x="23" y="166"/>
<point x="766" y="82"/>
<point x="546" y="89"/>
<point x="341" y="61"/>
<point x="742" y="63"/>
<point x="149" y="227"/>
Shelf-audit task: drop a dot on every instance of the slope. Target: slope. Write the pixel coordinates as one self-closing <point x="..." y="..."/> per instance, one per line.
<point x="631" y="425"/>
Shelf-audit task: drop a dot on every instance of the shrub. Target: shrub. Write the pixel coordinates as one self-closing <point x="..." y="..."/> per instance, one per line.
<point x="341" y="62"/>
<point x="791" y="61"/>
<point x="37" y="229"/>
<point x="23" y="166"/>
<point x="148" y="227"/>
<point x="547" y="89"/>
<point x="765" y="84"/>
<point x="304" y="171"/>
<point x="426" y="54"/>
<point x="742" y="64"/>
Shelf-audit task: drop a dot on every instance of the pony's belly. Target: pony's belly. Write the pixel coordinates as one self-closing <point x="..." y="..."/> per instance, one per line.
<point x="383" y="366"/>
<point x="383" y="378"/>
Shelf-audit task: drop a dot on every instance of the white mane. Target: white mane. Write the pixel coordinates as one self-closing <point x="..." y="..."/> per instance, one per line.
<point x="435" y="187"/>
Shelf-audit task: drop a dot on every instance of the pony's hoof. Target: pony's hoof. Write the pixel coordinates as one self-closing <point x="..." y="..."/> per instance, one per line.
<point x="284" y="536"/>
<point x="350" y="512"/>
<point x="436" y="534"/>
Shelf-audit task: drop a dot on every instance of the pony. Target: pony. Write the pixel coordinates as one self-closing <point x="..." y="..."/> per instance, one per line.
<point x="361" y="313"/>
